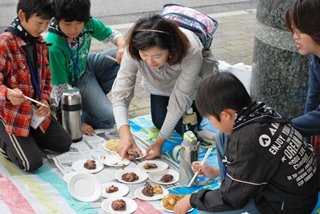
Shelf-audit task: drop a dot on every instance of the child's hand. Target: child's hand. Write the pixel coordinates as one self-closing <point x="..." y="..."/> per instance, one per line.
<point x="205" y="170"/>
<point x="43" y="110"/>
<point x="121" y="43"/>
<point x="87" y="129"/>
<point x="183" y="205"/>
<point x="15" y="96"/>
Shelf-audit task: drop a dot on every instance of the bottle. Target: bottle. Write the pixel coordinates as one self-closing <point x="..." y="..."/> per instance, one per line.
<point x="71" y="113"/>
<point x="185" y="154"/>
<point x="189" y="121"/>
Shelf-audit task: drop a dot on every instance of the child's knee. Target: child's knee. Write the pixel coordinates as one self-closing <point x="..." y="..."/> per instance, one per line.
<point x="31" y="165"/>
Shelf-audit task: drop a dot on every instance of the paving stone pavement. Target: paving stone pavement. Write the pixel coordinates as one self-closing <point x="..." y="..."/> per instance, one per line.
<point x="232" y="43"/>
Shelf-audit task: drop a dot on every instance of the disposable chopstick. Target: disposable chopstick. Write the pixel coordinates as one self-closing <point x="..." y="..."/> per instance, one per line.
<point x="28" y="98"/>
<point x="112" y="58"/>
<point x="202" y="162"/>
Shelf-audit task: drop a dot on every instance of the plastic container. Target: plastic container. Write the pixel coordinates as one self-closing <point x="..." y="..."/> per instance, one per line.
<point x="190" y="121"/>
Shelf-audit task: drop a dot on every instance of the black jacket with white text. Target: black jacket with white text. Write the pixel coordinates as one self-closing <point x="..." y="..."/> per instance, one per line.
<point x="268" y="160"/>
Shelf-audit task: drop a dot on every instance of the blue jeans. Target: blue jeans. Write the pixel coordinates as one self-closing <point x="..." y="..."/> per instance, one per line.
<point x="221" y="143"/>
<point x="94" y="84"/>
<point x="250" y="208"/>
<point x="159" y="111"/>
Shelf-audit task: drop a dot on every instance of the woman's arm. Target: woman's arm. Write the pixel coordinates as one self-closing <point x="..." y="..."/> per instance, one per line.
<point x="183" y="93"/>
<point x="122" y="94"/>
<point x="308" y="124"/>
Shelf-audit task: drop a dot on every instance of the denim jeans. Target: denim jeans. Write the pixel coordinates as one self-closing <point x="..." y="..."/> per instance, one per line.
<point x="94" y="84"/>
<point x="221" y="143"/>
<point x="159" y="111"/>
<point x="250" y="208"/>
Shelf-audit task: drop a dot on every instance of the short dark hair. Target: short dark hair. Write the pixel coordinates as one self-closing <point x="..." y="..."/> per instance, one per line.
<point x="43" y="8"/>
<point x="220" y="91"/>
<point x="165" y="34"/>
<point x="305" y="16"/>
<point x="73" y="10"/>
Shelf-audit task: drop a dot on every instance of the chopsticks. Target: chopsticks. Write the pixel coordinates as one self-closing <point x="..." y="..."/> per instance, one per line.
<point x="28" y="98"/>
<point x="202" y="162"/>
<point x="111" y="58"/>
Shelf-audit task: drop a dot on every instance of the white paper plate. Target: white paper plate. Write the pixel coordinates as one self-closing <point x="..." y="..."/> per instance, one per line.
<point x="113" y="160"/>
<point x="105" y="148"/>
<point x="138" y="194"/>
<point x="122" y="190"/>
<point x="78" y="166"/>
<point x="155" y="177"/>
<point x="142" y="175"/>
<point x="144" y="153"/>
<point x="131" y="205"/>
<point x="69" y="175"/>
<point x="161" y="166"/>
<point x="171" y="211"/>
<point x="85" y="187"/>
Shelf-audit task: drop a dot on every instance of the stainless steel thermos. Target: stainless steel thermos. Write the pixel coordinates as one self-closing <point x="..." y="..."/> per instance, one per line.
<point x="185" y="154"/>
<point x="71" y="113"/>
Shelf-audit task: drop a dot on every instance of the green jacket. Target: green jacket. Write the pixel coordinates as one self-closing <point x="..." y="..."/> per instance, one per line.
<point x="61" y="64"/>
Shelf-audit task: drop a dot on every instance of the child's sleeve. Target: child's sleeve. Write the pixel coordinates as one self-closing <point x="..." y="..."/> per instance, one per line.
<point x="58" y="67"/>
<point x="101" y="32"/>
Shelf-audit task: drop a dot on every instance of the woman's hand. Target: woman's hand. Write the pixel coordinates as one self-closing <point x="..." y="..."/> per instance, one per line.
<point x="127" y="145"/>
<point x="205" y="170"/>
<point x="87" y="129"/>
<point x="16" y="97"/>
<point x="43" y="111"/>
<point x="183" y="205"/>
<point x="156" y="147"/>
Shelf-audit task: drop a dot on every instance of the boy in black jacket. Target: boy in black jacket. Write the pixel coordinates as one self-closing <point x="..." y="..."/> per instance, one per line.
<point x="269" y="167"/>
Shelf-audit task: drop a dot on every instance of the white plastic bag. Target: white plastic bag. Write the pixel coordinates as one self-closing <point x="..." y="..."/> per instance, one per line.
<point x="240" y="70"/>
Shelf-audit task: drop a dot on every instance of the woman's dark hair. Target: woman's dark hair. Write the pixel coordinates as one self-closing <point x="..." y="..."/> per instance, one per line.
<point x="73" y="10"/>
<point x="305" y="16"/>
<point x="156" y="31"/>
<point x="220" y="91"/>
<point x="42" y="8"/>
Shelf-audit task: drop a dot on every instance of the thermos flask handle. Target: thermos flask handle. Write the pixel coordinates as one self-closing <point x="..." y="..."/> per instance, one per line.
<point x="175" y="152"/>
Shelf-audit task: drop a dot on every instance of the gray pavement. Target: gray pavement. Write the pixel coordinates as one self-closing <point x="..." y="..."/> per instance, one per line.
<point x="232" y="43"/>
<point x="233" y="40"/>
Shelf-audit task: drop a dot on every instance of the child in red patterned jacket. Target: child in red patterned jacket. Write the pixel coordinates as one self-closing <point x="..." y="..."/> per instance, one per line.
<point x="27" y="127"/>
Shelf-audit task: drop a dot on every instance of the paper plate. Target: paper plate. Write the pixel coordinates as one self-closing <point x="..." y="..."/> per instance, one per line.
<point x="122" y="190"/>
<point x="161" y="166"/>
<point x="104" y="146"/>
<point x="79" y="167"/>
<point x="142" y="175"/>
<point x="144" y="154"/>
<point x="171" y="211"/>
<point x="85" y="187"/>
<point x="69" y="175"/>
<point x="155" y="177"/>
<point x="131" y="205"/>
<point x="113" y="160"/>
<point x="138" y="194"/>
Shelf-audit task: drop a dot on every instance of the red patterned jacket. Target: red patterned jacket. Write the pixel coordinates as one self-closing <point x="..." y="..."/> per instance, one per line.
<point x="14" y="73"/>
